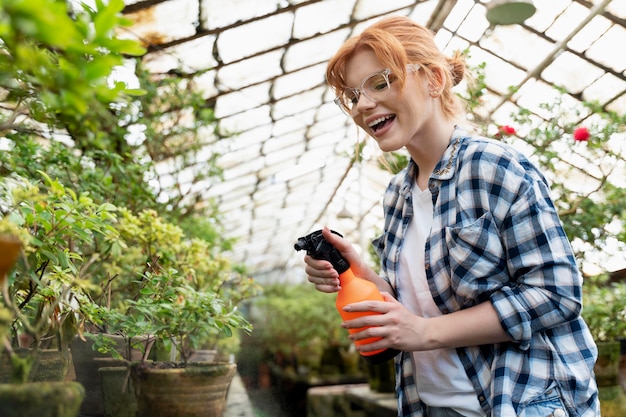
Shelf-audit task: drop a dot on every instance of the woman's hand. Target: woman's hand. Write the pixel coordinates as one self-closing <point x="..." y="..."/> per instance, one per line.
<point x="321" y="272"/>
<point x="398" y="327"/>
<point x="326" y="278"/>
<point x="401" y="329"/>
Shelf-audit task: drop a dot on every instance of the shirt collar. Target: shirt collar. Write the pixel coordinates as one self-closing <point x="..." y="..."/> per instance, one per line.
<point x="445" y="168"/>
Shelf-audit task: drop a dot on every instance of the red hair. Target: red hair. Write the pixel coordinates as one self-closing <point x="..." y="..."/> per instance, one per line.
<point x="398" y="41"/>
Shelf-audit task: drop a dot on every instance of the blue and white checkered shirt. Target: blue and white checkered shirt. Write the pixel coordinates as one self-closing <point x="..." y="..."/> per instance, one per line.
<point x="497" y="237"/>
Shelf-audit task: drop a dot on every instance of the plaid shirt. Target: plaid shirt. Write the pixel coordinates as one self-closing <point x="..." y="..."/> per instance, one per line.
<point x="496" y="237"/>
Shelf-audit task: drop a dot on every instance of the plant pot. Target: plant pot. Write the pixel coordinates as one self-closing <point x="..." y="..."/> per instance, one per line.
<point x="48" y="365"/>
<point x="52" y="366"/>
<point x="622" y="364"/>
<point x="41" y="399"/>
<point x="612" y="401"/>
<point x="87" y="362"/>
<point x="118" y="392"/>
<point x="607" y="365"/>
<point x="198" y="390"/>
<point x="607" y="370"/>
<point x="203" y="355"/>
<point x="381" y="377"/>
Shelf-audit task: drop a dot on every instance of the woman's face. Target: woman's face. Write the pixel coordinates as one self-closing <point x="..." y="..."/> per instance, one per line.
<point x="396" y="120"/>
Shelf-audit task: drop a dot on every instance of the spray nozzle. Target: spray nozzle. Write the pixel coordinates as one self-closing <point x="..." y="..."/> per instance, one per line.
<point x="318" y="247"/>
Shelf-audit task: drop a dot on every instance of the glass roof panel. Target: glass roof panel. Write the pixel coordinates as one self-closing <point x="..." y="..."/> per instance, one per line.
<point x="573" y="73"/>
<point x="220" y="13"/>
<point x="603" y="50"/>
<point x="321" y="17"/>
<point x="288" y="150"/>
<point x="254" y="37"/>
<point x="165" y="21"/>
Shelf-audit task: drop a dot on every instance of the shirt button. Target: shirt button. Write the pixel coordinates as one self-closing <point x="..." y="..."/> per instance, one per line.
<point x="559" y="413"/>
<point x="481" y="398"/>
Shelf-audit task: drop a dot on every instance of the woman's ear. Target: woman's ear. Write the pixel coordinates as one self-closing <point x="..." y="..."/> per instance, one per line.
<point x="436" y="82"/>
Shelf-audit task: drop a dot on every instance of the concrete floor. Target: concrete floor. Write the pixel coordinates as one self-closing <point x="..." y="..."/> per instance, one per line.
<point x="238" y="402"/>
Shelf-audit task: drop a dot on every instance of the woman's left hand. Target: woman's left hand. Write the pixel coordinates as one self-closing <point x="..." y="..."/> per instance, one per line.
<point x="398" y="327"/>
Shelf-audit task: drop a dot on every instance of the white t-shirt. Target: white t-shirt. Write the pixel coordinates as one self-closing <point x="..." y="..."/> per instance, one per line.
<point x="441" y="379"/>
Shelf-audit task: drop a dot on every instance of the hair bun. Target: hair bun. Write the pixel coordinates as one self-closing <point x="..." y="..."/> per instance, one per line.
<point x="457" y="67"/>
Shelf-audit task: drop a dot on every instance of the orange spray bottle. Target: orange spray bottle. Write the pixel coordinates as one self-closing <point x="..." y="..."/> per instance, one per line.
<point x="353" y="289"/>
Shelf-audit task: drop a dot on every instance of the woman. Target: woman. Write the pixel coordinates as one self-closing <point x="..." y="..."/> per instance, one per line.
<point x="482" y="291"/>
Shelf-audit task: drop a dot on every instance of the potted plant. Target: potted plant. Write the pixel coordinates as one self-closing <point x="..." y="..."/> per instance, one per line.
<point x="46" y="101"/>
<point x="48" y="290"/>
<point x="179" y="316"/>
<point x="179" y="290"/>
<point x="298" y="335"/>
<point x="604" y="310"/>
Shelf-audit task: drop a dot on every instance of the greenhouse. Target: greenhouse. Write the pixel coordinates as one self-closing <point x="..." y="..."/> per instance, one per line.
<point x="166" y="166"/>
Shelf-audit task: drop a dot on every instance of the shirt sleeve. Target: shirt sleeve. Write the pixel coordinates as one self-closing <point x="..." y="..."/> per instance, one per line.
<point x="545" y="289"/>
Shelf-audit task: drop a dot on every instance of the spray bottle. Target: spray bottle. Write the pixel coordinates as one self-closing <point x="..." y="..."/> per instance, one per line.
<point x="353" y="289"/>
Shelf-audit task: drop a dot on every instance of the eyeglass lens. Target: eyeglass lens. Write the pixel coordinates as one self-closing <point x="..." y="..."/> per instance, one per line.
<point x="374" y="87"/>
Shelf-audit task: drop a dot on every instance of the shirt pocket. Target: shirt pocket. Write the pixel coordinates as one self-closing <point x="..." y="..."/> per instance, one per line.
<point x="476" y="259"/>
<point x="547" y="405"/>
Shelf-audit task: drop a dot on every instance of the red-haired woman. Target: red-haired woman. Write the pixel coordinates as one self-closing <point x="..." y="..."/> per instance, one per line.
<point x="482" y="290"/>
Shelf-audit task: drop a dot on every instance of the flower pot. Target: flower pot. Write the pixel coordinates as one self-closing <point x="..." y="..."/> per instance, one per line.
<point x="41" y="399"/>
<point x="10" y="247"/>
<point x="198" y="390"/>
<point x="47" y="365"/>
<point x="607" y="365"/>
<point x="607" y="369"/>
<point x="118" y="392"/>
<point x="87" y="362"/>
<point x="622" y="364"/>
<point x="203" y="355"/>
<point x="52" y="366"/>
<point x="381" y="377"/>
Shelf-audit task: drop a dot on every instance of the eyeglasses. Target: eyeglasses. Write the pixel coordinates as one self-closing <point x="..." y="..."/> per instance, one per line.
<point x="375" y="87"/>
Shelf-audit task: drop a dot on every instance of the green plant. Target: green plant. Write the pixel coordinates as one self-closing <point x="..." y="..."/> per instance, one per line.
<point x="579" y="147"/>
<point x="48" y="292"/>
<point x="604" y="308"/>
<point x="177" y="314"/>
<point x="151" y="241"/>
<point x="294" y="324"/>
<point x="85" y="128"/>
<point x="64" y="113"/>
<point x="180" y="289"/>
<point x="61" y="73"/>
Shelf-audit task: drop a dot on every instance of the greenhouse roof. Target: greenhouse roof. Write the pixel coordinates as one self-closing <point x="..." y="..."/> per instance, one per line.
<point x="288" y="162"/>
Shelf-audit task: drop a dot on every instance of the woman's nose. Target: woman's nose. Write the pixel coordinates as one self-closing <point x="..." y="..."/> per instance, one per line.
<point x="364" y="103"/>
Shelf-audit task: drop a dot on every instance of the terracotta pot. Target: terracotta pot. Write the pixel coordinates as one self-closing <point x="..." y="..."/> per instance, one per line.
<point x="10" y="247"/>
<point x="198" y="390"/>
<point x="607" y="365"/>
<point x="118" y="392"/>
<point x="87" y="362"/>
<point x="41" y="399"/>
<point x="203" y="355"/>
<point x="381" y="377"/>
<point x="48" y="365"/>
<point x="52" y="366"/>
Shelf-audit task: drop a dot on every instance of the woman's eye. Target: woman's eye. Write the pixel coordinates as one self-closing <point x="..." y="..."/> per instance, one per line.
<point x="378" y="83"/>
<point x="351" y="97"/>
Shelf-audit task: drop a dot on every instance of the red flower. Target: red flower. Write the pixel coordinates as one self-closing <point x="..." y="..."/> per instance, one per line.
<point x="581" y="134"/>
<point x="506" y="130"/>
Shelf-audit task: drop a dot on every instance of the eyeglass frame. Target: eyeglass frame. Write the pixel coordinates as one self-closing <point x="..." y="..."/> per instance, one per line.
<point x="359" y="90"/>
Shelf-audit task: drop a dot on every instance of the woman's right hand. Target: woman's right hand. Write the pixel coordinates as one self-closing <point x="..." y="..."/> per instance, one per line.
<point x="321" y="273"/>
